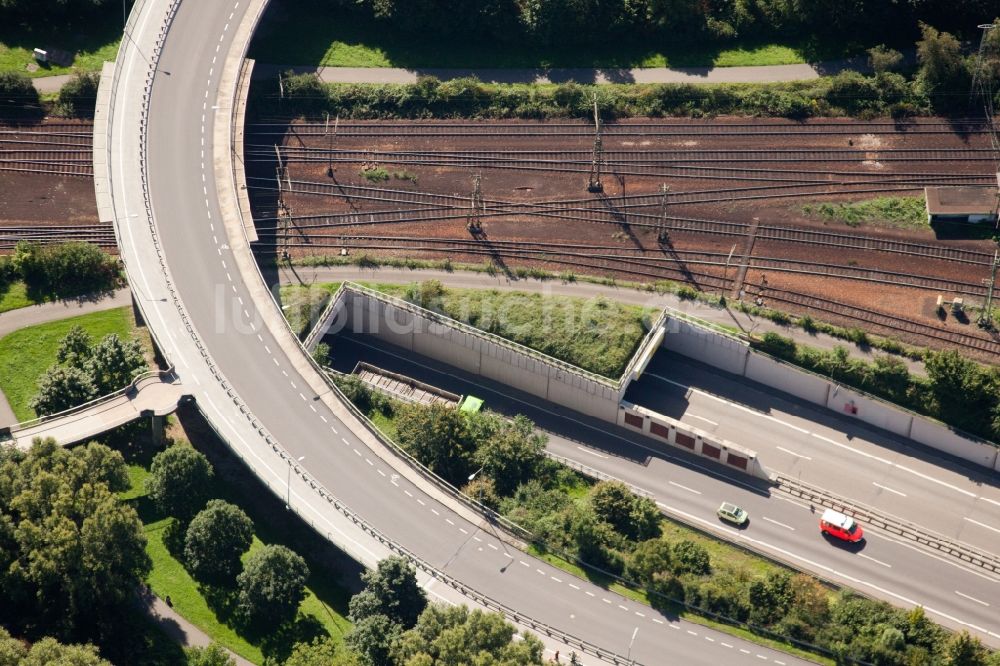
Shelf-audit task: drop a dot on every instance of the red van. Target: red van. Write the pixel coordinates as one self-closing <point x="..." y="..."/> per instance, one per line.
<point x="841" y="526"/>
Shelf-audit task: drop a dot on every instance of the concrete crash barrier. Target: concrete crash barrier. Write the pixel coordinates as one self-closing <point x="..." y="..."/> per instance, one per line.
<point x="410" y="327"/>
<point x="727" y="353"/>
<point x="665" y="429"/>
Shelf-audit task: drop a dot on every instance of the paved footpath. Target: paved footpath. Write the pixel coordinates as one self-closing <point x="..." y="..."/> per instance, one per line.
<point x="176" y="627"/>
<point x="555" y="287"/>
<point x="39" y="314"/>
<point x="759" y="74"/>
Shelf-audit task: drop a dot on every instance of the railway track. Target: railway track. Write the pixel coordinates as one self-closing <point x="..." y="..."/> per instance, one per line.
<point x="427" y="207"/>
<point x="60" y="161"/>
<point x="500" y="251"/>
<point x="483" y="158"/>
<point x="652" y="259"/>
<point x="98" y="234"/>
<point x="884" y="320"/>
<point x="586" y="128"/>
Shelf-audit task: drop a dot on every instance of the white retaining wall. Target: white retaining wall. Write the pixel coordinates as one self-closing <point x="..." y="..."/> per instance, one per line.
<point x="478" y="355"/>
<point x="688" y="438"/>
<point x="734" y="356"/>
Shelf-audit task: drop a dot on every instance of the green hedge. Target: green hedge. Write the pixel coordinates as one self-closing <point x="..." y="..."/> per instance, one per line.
<point x="847" y="93"/>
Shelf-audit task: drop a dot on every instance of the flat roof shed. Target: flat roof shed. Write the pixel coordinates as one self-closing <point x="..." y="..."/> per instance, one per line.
<point x="968" y="203"/>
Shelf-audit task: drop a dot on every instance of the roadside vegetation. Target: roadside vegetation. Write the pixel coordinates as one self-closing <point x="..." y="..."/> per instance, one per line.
<point x="893" y="212"/>
<point x="72" y="561"/>
<point x="27" y="357"/>
<point x="604" y="532"/>
<point x="598" y="34"/>
<point x="596" y="334"/>
<point x="957" y="391"/>
<point x="223" y="569"/>
<point x="37" y="273"/>
<point x="88" y="30"/>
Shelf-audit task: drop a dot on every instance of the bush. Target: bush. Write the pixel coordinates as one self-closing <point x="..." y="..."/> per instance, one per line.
<point x="18" y="96"/>
<point x="63" y="270"/>
<point x="634" y="517"/>
<point x="78" y="96"/>
<point x="180" y="481"/>
<point x="778" y="345"/>
<point x="689" y="557"/>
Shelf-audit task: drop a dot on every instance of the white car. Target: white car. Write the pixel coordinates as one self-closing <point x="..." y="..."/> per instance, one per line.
<point x="733" y="514"/>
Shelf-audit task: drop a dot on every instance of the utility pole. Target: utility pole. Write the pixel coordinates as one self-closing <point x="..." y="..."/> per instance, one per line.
<point x="598" y="159"/>
<point x="986" y="316"/>
<point x="474" y="222"/>
<point x="979" y="81"/>
<point x="326" y="131"/>
<point x="662" y="234"/>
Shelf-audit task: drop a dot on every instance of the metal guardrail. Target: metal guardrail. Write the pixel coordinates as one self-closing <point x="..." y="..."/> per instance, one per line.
<point x="615" y="384"/>
<point x="509" y="613"/>
<point x="133" y="385"/>
<point x="942" y="544"/>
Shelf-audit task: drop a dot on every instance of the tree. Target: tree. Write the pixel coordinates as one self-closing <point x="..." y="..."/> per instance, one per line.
<point x="391" y="589"/>
<point x="271" y="586"/>
<point x="633" y="516"/>
<point x="965" y="395"/>
<point x="114" y="363"/>
<point x="62" y="388"/>
<point x="212" y="655"/>
<point x="74" y="348"/>
<point x="888" y="376"/>
<point x="883" y="59"/>
<point x="769" y="598"/>
<point x="964" y="650"/>
<point x="649" y="558"/>
<point x="322" y="354"/>
<point x="50" y="652"/>
<point x="437" y="435"/>
<point x="215" y="540"/>
<point x="456" y="635"/>
<point x="12" y="651"/>
<point x="322" y="651"/>
<point x="943" y="75"/>
<point x="510" y="455"/>
<point x="372" y="638"/>
<point x="180" y="481"/>
<point x="77" y="552"/>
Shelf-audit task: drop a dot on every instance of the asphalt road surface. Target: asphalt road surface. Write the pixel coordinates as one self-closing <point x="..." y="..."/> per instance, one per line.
<point x="685" y="486"/>
<point x="179" y="149"/>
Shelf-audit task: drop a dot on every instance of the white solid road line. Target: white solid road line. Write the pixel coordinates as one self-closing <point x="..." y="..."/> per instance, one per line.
<point x="888" y="489"/>
<point x="872" y="559"/>
<point x="976" y="522"/>
<point x="690" y="490"/>
<point x="775" y="522"/>
<point x="965" y="596"/>
<point x="852" y="449"/>
<point x="792" y="453"/>
<point x="593" y="453"/>
<point x="702" y="418"/>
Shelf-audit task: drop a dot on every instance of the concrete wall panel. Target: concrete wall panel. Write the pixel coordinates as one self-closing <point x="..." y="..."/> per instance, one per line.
<point x="512" y="370"/>
<point x="782" y="377"/>
<point x="873" y="412"/>
<point x="453" y="348"/>
<point x="705" y="346"/>
<point x="940" y="437"/>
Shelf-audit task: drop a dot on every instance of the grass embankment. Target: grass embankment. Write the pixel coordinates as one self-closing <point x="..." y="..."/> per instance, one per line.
<point x="211" y="609"/>
<point x="15" y="296"/>
<point x="303" y="304"/>
<point x="893" y="212"/>
<point x="314" y="34"/>
<point x="93" y="37"/>
<point x="595" y="334"/>
<point x="26" y="354"/>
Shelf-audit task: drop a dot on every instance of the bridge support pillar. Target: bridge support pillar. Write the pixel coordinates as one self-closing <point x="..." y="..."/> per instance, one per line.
<point x="157" y="427"/>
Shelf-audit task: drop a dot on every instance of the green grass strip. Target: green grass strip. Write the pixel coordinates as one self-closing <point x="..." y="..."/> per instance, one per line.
<point x="26" y="354"/>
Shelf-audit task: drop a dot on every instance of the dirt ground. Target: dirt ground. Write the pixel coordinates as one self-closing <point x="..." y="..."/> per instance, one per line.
<point x="685" y="163"/>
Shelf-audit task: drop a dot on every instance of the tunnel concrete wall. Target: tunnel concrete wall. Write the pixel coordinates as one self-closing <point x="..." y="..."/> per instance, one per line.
<point x="680" y="435"/>
<point x="724" y="352"/>
<point x="404" y="325"/>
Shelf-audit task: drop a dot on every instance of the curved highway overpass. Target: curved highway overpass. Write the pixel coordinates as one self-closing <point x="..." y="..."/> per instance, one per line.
<point x="165" y="113"/>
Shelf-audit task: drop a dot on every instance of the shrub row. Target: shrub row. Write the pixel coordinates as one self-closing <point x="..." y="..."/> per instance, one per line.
<point x="847" y="93"/>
